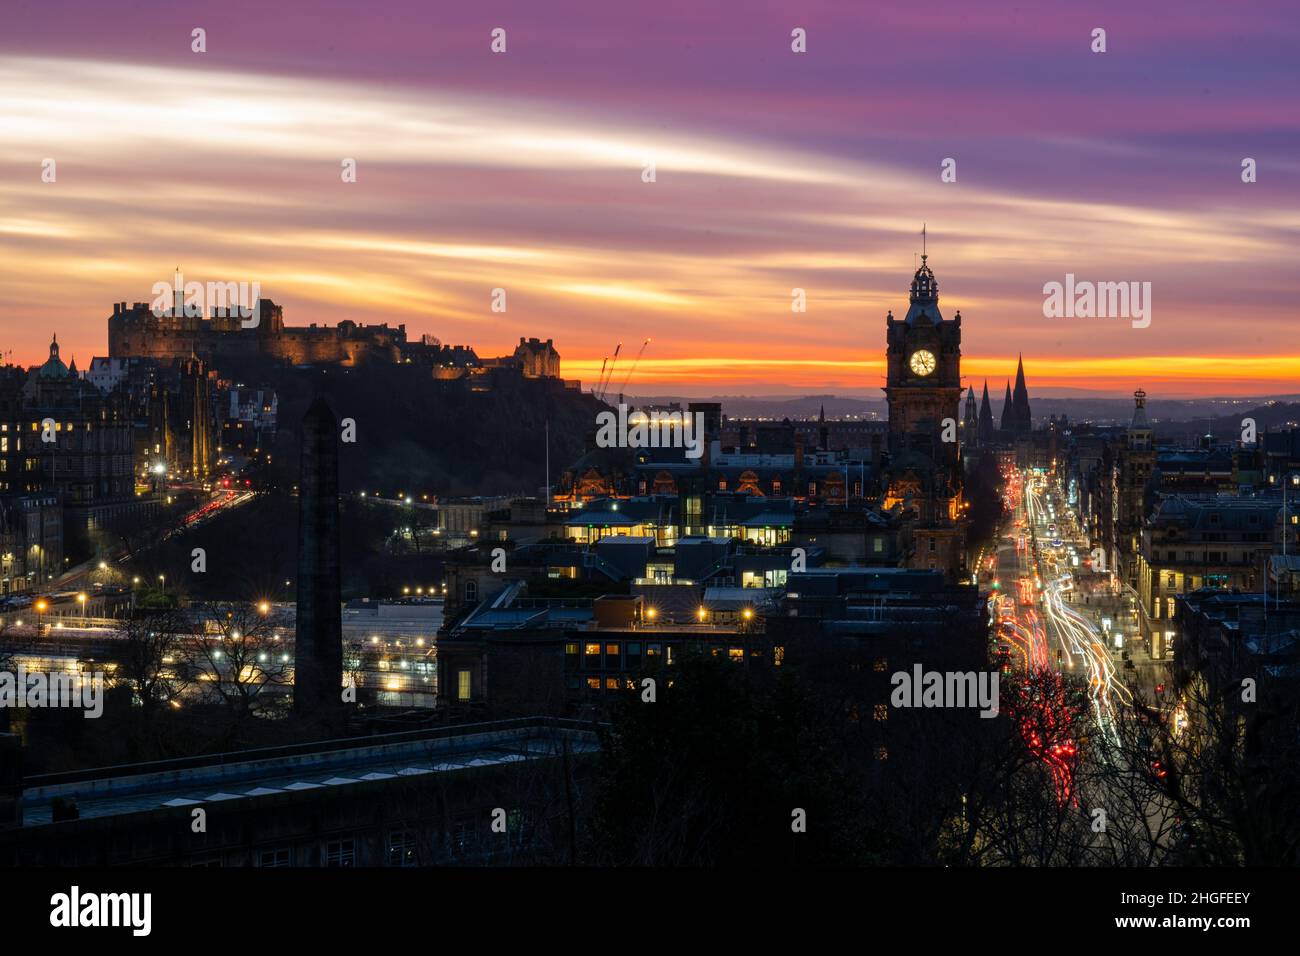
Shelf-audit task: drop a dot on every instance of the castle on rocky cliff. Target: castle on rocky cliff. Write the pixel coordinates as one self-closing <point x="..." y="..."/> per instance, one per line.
<point x="223" y="337"/>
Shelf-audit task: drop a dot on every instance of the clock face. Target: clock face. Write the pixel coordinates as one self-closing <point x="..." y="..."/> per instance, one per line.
<point x="921" y="362"/>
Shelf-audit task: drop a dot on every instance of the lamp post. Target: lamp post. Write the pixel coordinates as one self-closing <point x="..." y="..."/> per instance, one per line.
<point x="81" y="599"/>
<point x="41" y="606"/>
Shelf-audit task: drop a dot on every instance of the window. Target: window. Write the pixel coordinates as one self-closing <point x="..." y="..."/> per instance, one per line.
<point x="401" y="848"/>
<point x="877" y="544"/>
<point x="881" y="712"/>
<point x="633" y="655"/>
<point x="593" y="683"/>
<point x="464" y="684"/>
<point x="932" y="543"/>
<point x="736" y="654"/>
<point x="341" y="852"/>
<point x="280" y="856"/>
<point x="471" y="591"/>
<point x="592" y="656"/>
<point x="611" y="683"/>
<point x="611" y="656"/>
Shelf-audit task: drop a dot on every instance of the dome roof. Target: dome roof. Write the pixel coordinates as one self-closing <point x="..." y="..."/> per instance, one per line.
<point x="53" y="367"/>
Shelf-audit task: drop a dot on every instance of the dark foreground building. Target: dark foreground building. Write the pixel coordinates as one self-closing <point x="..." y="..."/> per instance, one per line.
<point x="417" y="798"/>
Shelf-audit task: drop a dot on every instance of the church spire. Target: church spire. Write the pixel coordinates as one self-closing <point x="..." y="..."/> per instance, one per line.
<point x="1022" y="419"/>
<point x="986" y="417"/>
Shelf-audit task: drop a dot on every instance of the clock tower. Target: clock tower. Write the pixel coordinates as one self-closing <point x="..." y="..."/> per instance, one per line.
<point x="923" y="391"/>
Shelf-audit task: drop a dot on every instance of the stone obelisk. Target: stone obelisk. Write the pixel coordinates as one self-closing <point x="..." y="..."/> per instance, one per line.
<point x="318" y="641"/>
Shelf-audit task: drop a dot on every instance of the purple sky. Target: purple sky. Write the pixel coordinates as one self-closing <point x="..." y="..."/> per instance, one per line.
<point x="774" y="171"/>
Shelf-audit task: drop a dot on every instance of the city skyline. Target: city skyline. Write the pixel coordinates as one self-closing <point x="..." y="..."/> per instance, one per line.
<point x="774" y="171"/>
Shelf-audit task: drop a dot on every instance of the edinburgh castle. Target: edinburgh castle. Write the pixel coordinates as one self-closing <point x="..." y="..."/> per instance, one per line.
<point x="139" y="332"/>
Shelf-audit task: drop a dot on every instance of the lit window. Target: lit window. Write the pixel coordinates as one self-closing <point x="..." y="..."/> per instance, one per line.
<point x="463" y="684"/>
<point x="881" y="712"/>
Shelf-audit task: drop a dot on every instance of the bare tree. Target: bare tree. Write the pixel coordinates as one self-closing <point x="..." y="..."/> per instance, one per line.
<point x="239" y="654"/>
<point x="152" y="661"/>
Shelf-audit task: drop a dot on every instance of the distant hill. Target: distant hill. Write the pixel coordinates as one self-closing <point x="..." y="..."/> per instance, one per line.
<point x="1272" y="412"/>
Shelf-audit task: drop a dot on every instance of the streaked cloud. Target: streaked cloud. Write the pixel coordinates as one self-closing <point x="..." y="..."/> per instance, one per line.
<point x="773" y="172"/>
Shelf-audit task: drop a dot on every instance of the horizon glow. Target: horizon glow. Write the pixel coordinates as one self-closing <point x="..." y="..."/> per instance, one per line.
<point x="774" y="171"/>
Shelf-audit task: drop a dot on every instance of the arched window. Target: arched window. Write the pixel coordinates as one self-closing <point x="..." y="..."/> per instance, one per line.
<point x="471" y="591"/>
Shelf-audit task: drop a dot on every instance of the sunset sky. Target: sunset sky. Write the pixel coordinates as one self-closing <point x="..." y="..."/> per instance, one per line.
<point x="774" y="170"/>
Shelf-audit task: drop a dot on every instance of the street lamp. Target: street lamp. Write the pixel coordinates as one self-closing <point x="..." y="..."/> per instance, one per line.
<point x="41" y="606"/>
<point x="81" y="599"/>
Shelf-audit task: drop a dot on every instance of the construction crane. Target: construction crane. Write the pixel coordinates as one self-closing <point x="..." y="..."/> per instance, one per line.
<point x="635" y="362"/>
<point x="604" y="386"/>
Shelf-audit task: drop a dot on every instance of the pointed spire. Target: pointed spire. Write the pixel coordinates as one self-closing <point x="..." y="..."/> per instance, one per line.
<point x="1022" y="419"/>
<point x="986" y="417"/>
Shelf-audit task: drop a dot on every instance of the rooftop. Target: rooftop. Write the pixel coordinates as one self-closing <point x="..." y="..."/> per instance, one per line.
<point x="248" y="775"/>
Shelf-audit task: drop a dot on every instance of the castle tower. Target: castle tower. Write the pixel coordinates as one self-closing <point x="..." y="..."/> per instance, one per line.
<point x="318" y="641"/>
